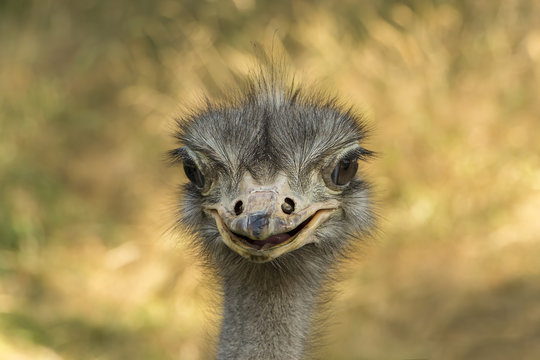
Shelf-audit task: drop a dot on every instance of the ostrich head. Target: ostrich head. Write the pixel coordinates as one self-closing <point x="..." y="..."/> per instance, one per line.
<point x="273" y="173"/>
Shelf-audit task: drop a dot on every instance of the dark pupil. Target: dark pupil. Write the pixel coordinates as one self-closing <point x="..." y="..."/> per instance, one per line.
<point x="194" y="174"/>
<point x="344" y="171"/>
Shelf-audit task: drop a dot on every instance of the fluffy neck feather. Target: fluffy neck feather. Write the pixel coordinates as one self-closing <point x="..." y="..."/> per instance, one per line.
<point x="268" y="310"/>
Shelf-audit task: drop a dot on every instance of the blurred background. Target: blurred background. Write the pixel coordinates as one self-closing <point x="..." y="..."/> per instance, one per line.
<point x="89" y="268"/>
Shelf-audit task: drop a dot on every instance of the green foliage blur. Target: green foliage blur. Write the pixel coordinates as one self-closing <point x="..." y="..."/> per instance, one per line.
<point x="89" y="268"/>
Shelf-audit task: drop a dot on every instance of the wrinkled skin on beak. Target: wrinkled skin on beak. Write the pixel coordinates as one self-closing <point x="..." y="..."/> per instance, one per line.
<point x="267" y="220"/>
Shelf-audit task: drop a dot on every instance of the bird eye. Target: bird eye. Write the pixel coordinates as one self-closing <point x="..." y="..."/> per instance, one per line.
<point x="344" y="171"/>
<point x="194" y="174"/>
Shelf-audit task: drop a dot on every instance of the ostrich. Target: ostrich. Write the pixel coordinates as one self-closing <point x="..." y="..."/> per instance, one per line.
<point x="275" y="202"/>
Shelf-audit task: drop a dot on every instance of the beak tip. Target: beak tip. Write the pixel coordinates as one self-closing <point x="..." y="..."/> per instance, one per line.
<point x="257" y="223"/>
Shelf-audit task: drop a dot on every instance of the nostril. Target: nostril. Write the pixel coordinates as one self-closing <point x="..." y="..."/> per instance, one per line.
<point x="287" y="206"/>
<point x="238" y="207"/>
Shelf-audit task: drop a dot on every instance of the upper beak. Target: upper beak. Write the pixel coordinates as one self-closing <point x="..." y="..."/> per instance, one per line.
<point x="261" y="216"/>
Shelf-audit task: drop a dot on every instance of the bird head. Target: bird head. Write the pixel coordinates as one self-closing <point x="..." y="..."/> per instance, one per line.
<point x="273" y="170"/>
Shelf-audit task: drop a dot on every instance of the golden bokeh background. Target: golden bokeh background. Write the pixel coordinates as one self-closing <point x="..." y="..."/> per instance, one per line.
<point x="89" y="268"/>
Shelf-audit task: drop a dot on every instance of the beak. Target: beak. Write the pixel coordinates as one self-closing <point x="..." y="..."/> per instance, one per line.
<point x="261" y="216"/>
<point x="266" y="221"/>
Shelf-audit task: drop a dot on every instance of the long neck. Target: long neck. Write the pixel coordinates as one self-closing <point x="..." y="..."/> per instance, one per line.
<point x="267" y="313"/>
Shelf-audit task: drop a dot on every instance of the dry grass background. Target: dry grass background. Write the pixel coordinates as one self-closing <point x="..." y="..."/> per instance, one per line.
<point x="88" y="269"/>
